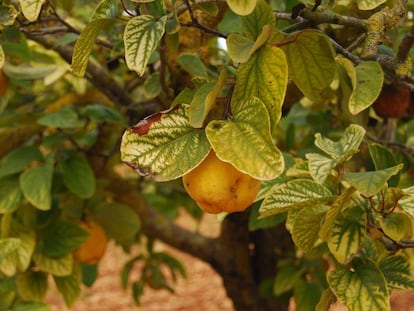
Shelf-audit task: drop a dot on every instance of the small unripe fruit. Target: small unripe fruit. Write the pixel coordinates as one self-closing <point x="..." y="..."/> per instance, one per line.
<point x="217" y="186"/>
<point x="392" y="102"/>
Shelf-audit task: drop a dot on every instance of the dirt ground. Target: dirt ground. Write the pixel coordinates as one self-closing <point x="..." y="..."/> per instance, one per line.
<point x="202" y="289"/>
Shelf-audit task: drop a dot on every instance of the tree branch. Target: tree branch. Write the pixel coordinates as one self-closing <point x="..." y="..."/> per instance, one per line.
<point x="99" y="76"/>
<point x="405" y="46"/>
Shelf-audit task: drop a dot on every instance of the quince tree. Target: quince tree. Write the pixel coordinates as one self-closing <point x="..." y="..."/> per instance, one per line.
<point x="291" y="119"/>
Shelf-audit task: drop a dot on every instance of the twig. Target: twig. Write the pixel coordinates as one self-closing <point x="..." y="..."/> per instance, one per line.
<point x="405" y="46"/>
<point x="124" y="7"/>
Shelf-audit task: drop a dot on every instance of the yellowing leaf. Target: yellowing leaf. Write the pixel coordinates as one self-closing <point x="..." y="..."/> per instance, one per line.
<point x="164" y="145"/>
<point x="105" y="9"/>
<point x="370" y="183"/>
<point x="58" y="266"/>
<point x="311" y="62"/>
<point x="241" y="48"/>
<point x="337" y="206"/>
<point x="367" y="5"/>
<point x="141" y="37"/>
<point x="305" y="231"/>
<point x="366" y="83"/>
<point x="31" y="8"/>
<point x="32" y="285"/>
<point x="204" y="100"/>
<point x="2" y="57"/>
<point x="85" y="44"/>
<point x="396" y="225"/>
<point x="320" y="166"/>
<point x="245" y="141"/>
<point x="20" y="259"/>
<point x="295" y="194"/>
<point x="361" y="288"/>
<point x="263" y="76"/>
<point x="242" y="7"/>
<point x="347" y="234"/>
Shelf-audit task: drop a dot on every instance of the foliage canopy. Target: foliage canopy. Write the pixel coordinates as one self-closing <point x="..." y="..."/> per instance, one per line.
<point x="287" y="92"/>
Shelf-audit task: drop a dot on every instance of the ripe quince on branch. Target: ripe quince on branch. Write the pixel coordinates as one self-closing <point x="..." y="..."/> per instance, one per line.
<point x="217" y="186"/>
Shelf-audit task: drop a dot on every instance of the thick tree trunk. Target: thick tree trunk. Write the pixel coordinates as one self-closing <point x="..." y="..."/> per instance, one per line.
<point x="240" y="263"/>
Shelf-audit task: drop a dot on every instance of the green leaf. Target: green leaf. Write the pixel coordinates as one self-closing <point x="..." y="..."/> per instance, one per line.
<point x="62" y="237"/>
<point x="17" y="159"/>
<point x="320" y="166"/>
<point x="396" y="225"/>
<point x="305" y="231"/>
<point x="242" y="7"/>
<point x="69" y="286"/>
<point x="31" y="9"/>
<point x="64" y="118"/>
<point x="366" y="84"/>
<point x="153" y="146"/>
<point x="263" y="223"/>
<point x="58" y="266"/>
<point x="368" y="5"/>
<point x="241" y="48"/>
<point x="85" y="44"/>
<point x="100" y="113"/>
<point x="311" y="62"/>
<point x="347" y="234"/>
<point x="127" y="223"/>
<point x="263" y="76"/>
<point x="361" y="288"/>
<point x="347" y="145"/>
<point x="294" y="195"/>
<point x="141" y="37"/>
<point x="286" y="277"/>
<point x="36" y="185"/>
<point x="152" y="85"/>
<point x="10" y="194"/>
<point x="78" y="176"/>
<point x="382" y="157"/>
<point x="204" y="100"/>
<point x="192" y="64"/>
<point x="396" y="270"/>
<point x="31" y="306"/>
<point x="89" y="274"/>
<point x="247" y="134"/>
<point x="370" y="183"/>
<point x="8" y="246"/>
<point x="32" y="285"/>
<point x="307" y="295"/>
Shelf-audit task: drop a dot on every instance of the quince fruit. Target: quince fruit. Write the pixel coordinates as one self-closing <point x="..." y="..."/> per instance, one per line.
<point x="93" y="249"/>
<point x="217" y="186"/>
<point x="392" y="102"/>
